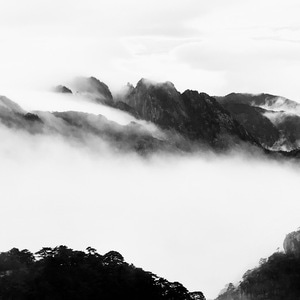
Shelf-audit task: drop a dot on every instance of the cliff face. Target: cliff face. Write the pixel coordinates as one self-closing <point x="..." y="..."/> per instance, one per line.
<point x="196" y="116"/>
<point x="291" y="244"/>
<point x="158" y="103"/>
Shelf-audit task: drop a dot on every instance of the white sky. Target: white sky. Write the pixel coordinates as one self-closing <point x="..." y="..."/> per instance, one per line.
<point x="215" y="46"/>
<point x="226" y="214"/>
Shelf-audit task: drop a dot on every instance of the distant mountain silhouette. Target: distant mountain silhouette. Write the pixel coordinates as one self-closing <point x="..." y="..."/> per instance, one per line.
<point x="184" y="122"/>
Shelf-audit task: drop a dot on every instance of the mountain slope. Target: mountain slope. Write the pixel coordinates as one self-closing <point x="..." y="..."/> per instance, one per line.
<point x="14" y="116"/>
<point x="253" y="119"/>
<point x="195" y="116"/>
<point x="62" y="273"/>
<point x="272" y="119"/>
<point x="276" y="278"/>
<point x="267" y="101"/>
<point x="87" y="129"/>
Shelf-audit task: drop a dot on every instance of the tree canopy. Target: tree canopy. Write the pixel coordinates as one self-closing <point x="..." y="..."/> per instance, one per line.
<point x="62" y="273"/>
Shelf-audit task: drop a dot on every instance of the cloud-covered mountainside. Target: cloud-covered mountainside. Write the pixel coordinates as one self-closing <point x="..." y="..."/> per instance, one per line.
<point x="62" y="273"/>
<point x="273" y="120"/>
<point x="167" y="120"/>
<point x="277" y="277"/>
<point x="79" y="127"/>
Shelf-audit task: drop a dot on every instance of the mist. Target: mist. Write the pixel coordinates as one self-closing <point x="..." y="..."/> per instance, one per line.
<point x="200" y="219"/>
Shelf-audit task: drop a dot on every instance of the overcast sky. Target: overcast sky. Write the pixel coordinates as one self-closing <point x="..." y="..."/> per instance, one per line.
<point x="215" y="46"/>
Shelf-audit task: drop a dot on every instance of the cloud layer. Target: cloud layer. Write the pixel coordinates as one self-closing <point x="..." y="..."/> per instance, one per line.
<point x="201" y="220"/>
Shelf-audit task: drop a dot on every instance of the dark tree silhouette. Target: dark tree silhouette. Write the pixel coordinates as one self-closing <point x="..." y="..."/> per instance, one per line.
<point x="62" y="273"/>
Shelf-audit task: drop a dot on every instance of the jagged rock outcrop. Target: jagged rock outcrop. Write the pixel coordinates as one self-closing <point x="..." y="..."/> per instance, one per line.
<point x="291" y="244"/>
<point x="159" y="103"/>
<point x="196" y="116"/>
<point x="94" y="89"/>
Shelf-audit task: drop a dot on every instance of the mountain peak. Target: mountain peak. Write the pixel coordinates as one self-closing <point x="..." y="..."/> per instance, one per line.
<point x="144" y="82"/>
<point x="94" y="88"/>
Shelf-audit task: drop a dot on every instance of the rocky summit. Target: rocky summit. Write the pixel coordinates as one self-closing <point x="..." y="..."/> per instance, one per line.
<point x="291" y="244"/>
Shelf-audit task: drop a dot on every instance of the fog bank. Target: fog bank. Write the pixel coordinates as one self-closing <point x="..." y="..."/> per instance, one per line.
<point x="201" y="220"/>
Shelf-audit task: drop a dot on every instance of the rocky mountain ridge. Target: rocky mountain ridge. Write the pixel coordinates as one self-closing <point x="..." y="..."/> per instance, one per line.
<point x="187" y="121"/>
<point x="195" y="116"/>
<point x="263" y="120"/>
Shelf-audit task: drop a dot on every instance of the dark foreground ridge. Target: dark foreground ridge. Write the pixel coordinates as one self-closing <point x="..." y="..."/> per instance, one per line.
<point x="61" y="273"/>
<point x="276" y="277"/>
